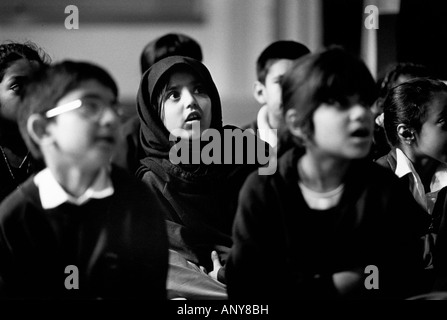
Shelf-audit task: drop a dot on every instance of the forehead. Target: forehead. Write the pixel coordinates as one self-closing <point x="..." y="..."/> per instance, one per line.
<point x="22" y="67"/>
<point x="89" y="88"/>
<point x="182" y="77"/>
<point x="438" y="104"/>
<point x="279" y="67"/>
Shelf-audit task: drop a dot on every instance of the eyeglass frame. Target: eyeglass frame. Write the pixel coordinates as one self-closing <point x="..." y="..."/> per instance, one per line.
<point x="76" y="104"/>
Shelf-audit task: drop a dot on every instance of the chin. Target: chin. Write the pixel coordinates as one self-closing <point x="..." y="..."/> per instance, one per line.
<point x="357" y="153"/>
<point x="360" y="155"/>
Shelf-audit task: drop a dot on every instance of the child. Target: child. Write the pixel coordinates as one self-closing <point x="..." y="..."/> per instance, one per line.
<point x="17" y="61"/>
<point x="176" y="94"/>
<point x="271" y="65"/>
<point x="400" y="73"/>
<point x="79" y="213"/>
<point x="170" y="44"/>
<point x="415" y="115"/>
<point x="321" y="225"/>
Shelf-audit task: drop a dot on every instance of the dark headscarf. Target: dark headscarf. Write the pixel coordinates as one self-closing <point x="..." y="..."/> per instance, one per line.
<point x="201" y="199"/>
<point x="154" y="137"/>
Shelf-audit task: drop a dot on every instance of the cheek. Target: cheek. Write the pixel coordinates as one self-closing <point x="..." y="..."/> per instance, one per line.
<point x="326" y="125"/>
<point x="171" y="116"/>
<point x="8" y="106"/>
<point x="434" y="141"/>
<point x="274" y="93"/>
<point x="73" y="133"/>
<point x="206" y="107"/>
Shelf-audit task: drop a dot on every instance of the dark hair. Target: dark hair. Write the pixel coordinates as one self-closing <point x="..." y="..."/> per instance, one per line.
<point x="329" y="76"/>
<point x="50" y="84"/>
<point x="391" y="79"/>
<point x="13" y="51"/>
<point x="171" y="44"/>
<point x="282" y="49"/>
<point x="407" y="104"/>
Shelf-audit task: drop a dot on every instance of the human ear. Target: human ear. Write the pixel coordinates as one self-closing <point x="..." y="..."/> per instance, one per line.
<point x="405" y="134"/>
<point x="258" y="92"/>
<point x="291" y="120"/>
<point x="37" y="128"/>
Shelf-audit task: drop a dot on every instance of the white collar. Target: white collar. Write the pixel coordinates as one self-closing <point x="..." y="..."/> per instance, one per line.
<point x="404" y="166"/>
<point x="52" y="194"/>
<point x="266" y="133"/>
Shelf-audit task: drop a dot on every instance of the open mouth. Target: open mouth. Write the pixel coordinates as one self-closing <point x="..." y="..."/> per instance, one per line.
<point x="361" y="133"/>
<point x="107" y="139"/>
<point x="195" y="115"/>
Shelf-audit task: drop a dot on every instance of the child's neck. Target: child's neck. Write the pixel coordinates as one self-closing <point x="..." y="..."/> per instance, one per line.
<point x="424" y="166"/>
<point x="10" y="138"/>
<point x="74" y="179"/>
<point x="321" y="175"/>
<point x="273" y="121"/>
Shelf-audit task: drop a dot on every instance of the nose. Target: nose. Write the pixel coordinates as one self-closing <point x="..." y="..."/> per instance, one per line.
<point x="188" y="98"/>
<point x="359" y="112"/>
<point x="109" y="117"/>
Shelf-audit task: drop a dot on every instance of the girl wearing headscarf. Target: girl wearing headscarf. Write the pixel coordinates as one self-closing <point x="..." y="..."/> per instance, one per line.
<point x="175" y="95"/>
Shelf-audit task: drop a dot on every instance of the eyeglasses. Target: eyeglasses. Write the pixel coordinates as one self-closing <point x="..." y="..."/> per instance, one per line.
<point x="92" y="108"/>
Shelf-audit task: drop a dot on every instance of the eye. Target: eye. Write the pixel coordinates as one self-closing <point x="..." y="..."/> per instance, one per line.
<point x="277" y="80"/>
<point x="16" y="87"/>
<point x="173" y="95"/>
<point x="200" y="90"/>
<point x="91" y="107"/>
<point x="442" y="123"/>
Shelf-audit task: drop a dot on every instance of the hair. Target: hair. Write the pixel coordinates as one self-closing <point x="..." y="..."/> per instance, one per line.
<point x="50" y="84"/>
<point x="13" y="51"/>
<point x="391" y="78"/>
<point x="329" y="76"/>
<point x="171" y="44"/>
<point x="408" y="104"/>
<point x="283" y="49"/>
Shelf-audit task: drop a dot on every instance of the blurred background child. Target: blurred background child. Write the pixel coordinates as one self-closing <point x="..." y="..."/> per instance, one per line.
<point x="271" y="65"/>
<point x="17" y="62"/>
<point x="311" y="230"/>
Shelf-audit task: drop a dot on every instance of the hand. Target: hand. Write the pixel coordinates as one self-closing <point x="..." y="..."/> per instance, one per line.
<point x="348" y="281"/>
<point x="216" y="265"/>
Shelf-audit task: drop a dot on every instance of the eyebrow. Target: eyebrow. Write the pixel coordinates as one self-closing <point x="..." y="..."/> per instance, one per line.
<point x="193" y="84"/>
<point x="278" y="77"/>
<point x="17" y="78"/>
<point x="93" y="95"/>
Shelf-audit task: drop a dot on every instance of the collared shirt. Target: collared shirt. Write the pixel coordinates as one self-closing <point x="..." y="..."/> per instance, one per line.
<point x="439" y="180"/>
<point x="52" y="194"/>
<point x="266" y="133"/>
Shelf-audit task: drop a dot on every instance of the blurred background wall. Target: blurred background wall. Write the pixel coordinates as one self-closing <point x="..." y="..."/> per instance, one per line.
<point x="232" y="33"/>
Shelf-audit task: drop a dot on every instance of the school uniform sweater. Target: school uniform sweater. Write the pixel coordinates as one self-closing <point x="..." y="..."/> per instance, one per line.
<point x="199" y="207"/>
<point x="435" y="253"/>
<point x="282" y="249"/>
<point x="118" y="245"/>
<point x="200" y="199"/>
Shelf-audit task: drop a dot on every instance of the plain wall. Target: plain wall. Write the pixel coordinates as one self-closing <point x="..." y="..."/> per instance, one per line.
<point x="232" y="35"/>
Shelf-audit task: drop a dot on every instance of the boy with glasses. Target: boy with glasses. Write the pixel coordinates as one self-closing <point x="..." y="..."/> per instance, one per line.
<point x="80" y="211"/>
